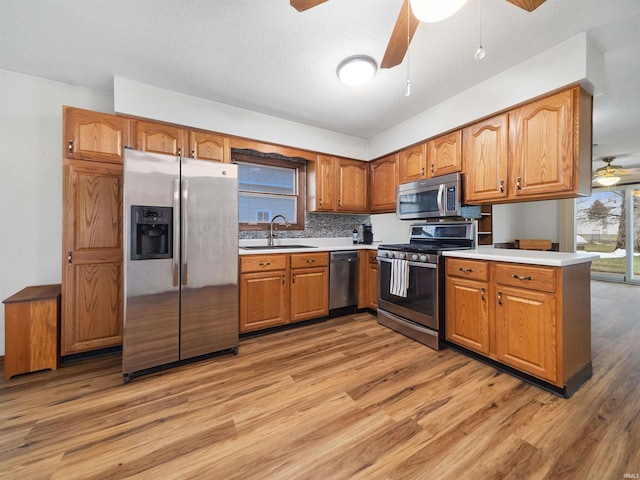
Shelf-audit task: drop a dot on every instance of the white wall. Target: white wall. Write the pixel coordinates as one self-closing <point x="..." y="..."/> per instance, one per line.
<point x="31" y="178"/>
<point x="138" y="99"/>
<point x="532" y="220"/>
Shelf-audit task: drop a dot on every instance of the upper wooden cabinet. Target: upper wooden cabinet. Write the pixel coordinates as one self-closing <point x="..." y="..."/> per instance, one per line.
<point x="321" y="181"/>
<point x="337" y="185"/>
<point x="545" y="155"/>
<point x="209" y="146"/>
<point x="171" y="140"/>
<point x="94" y="136"/>
<point x="413" y="163"/>
<point x="160" y="138"/>
<point x="353" y="181"/>
<point x="384" y="175"/>
<point x="550" y="146"/>
<point x="485" y="154"/>
<point x="444" y="154"/>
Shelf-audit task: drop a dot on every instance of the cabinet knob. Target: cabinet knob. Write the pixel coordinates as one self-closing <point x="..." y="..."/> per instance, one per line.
<point x="501" y="186"/>
<point x="193" y="153"/>
<point x="482" y="292"/>
<point x="433" y="168"/>
<point x="467" y="270"/>
<point x="264" y="264"/>
<point x="70" y="146"/>
<point x="499" y="298"/>
<point x="310" y="260"/>
<point x="518" y="186"/>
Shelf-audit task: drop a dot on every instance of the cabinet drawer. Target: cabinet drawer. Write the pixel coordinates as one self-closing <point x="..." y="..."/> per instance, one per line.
<point x="373" y="256"/>
<point x="262" y="263"/>
<point x="472" y="269"/>
<point x="305" y="260"/>
<point x="534" y="278"/>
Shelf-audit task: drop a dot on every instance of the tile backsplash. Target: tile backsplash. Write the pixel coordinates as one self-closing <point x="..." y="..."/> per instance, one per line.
<point x="317" y="225"/>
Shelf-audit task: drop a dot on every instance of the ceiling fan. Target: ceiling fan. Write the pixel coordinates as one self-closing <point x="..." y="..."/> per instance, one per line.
<point x="402" y="34"/>
<point x="610" y="175"/>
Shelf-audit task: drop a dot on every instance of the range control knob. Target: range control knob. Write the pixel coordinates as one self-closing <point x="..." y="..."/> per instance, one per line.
<point x="423" y="258"/>
<point x="414" y="257"/>
<point x="401" y="255"/>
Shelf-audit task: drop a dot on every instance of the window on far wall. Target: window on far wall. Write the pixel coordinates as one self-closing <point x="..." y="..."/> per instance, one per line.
<point x="268" y="187"/>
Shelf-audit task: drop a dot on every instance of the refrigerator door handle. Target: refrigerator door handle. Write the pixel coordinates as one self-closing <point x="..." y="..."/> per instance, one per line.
<point x="176" y="232"/>
<point x="185" y="228"/>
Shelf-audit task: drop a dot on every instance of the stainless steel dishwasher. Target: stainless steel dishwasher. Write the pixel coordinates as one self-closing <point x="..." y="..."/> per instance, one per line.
<point x="343" y="279"/>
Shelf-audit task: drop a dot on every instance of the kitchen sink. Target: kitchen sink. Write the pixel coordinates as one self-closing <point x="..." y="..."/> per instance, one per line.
<point x="273" y="247"/>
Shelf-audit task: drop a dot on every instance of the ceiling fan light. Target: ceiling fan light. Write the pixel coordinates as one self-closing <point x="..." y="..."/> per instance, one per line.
<point x="608" y="181"/>
<point x="431" y="11"/>
<point x="357" y="70"/>
<point x="480" y="53"/>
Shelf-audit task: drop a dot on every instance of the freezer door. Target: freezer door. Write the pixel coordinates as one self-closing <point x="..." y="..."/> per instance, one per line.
<point x="151" y="285"/>
<point x="209" y="270"/>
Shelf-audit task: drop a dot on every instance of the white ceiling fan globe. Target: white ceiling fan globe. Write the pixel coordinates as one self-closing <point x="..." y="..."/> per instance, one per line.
<point x="431" y="11"/>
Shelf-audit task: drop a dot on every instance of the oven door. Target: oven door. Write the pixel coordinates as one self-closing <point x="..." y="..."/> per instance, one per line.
<point x="422" y="303"/>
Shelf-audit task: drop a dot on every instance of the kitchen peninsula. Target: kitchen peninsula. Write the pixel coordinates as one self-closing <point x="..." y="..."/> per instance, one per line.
<point x="526" y="312"/>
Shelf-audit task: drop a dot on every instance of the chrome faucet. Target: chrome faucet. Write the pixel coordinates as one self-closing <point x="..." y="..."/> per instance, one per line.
<point x="271" y="236"/>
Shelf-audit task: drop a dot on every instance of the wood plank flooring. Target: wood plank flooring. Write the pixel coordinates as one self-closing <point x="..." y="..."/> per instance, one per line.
<point x="346" y="398"/>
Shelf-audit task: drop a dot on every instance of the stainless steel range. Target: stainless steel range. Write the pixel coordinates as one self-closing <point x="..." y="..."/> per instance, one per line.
<point x="411" y="279"/>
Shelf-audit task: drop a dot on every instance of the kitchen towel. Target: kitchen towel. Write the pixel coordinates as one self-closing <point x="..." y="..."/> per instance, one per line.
<point x="399" y="277"/>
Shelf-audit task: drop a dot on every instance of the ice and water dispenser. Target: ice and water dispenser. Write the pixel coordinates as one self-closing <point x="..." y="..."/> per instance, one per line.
<point x="151" y="232"/>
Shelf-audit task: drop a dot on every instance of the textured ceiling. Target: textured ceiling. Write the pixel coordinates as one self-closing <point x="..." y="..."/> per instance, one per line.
<point x="263" y="55"/>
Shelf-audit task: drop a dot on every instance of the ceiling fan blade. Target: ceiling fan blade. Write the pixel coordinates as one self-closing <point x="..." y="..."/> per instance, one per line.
<point x="302" y="5"/>
<point x="398" y="44"/>
<point x="528" y="5"/>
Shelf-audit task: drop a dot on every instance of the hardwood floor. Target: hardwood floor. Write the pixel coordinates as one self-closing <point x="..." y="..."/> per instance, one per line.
<point x="346" y="398"/>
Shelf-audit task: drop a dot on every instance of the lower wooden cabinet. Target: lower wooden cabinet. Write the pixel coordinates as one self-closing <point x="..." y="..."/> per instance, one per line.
<point x="309" y="286"/>
<point x="535" y="319"/>
<point x="526" y="331"/>
<point x="282" y="288"/>
<point x="467" y="300"/>
<point x="368" y="280"/>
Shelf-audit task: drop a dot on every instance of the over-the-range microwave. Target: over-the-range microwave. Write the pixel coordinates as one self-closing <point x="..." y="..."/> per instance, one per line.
<point x="436" y="197"/>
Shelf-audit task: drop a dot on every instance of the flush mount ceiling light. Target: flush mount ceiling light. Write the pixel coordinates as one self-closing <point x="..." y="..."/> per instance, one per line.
<point x="357" y="70"/>
<point x="432" y="11"/>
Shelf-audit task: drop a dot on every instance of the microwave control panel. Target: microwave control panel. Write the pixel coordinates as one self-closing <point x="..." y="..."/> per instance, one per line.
<point x="451" y="199"/>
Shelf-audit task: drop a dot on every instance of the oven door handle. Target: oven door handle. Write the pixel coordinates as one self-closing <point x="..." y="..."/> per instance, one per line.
<point x="411" y="264"/>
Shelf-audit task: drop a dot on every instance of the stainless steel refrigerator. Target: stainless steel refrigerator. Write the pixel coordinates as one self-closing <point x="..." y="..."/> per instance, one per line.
<point x="181" y="260"/>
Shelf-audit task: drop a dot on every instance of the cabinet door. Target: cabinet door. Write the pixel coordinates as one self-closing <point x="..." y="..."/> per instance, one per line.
<point x="309" y="293"/>
<point x="485" y="155"/>
<point x="444" y="154"/>
<point x="541" y="144"/>
<point x="160" y="138"/>
<point x="467" y="319"/>
<point x="372" y="281"/>
<point x="526" y="331"/>
<point x="263" y="300"/>
<point x="94" y="136"/>
<point x="209" y="146"/>
<point x="413" y="163"/>
<point x="384" y="180"/>
<point x="326" y="188"/>
<point x="92" y="256"/>
<point x="353" y="180"/>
